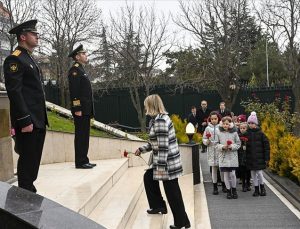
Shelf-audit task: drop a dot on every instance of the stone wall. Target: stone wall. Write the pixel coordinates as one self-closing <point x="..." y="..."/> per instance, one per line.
<point x="59" y="147"/>
<point x="6" y="160"/>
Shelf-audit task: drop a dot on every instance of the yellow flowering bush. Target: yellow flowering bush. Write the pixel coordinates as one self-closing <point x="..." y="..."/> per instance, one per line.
<point x="277" y="122"/>
<point x="180" y="126"/>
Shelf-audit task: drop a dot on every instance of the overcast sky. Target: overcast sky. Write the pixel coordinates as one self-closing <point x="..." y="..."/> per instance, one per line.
<point x="165" y="7"/>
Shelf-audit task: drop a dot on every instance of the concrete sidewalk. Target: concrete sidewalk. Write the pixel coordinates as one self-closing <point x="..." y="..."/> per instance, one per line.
<point x="246" y="211"/>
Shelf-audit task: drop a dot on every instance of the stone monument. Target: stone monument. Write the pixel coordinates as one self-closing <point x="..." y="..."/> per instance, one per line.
<point x="6" y="157"/>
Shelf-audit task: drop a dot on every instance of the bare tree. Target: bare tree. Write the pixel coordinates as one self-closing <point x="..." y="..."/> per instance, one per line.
<point x="13" y="12"/>
<point x="219" y="27"/>
<point x="19" y="11"/>
<point x="65" y="23"/>
<point x="282" y="19"/>
<point x="138" y="40"/>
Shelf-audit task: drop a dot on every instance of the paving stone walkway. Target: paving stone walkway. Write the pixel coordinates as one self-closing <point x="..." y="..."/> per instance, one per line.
<point x="247" y="211"/>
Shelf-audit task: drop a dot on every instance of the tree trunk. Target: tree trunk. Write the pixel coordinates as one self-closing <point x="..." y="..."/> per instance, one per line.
<point x="229" y="97"/>
<point x="142" y="121"/>
<point x="135" y="99"/>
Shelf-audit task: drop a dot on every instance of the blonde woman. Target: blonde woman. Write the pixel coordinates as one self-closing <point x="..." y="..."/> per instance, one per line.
<point x="165" y="164"/>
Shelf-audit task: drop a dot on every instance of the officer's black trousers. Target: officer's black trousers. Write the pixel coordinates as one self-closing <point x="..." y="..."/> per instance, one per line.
<point x="30" y="147"/>
<point x="173" y="194"/>
<point x="82" y="139"/>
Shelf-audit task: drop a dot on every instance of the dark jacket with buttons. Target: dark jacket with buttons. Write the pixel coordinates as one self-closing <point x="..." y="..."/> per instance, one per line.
<point x="24" y="85"/>
<point x="258" y="150"/>
<point x="80" y="90"/>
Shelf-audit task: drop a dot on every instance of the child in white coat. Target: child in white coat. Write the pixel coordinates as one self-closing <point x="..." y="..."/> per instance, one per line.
<point x="229" y="143"/>
<point x="210" y="139"/>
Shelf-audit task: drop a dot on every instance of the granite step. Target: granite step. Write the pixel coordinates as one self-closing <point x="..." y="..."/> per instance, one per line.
<point x="140" y="219"/>
<point x="79" y="189"/>
<point x="114" y="210"/>
<point x="187" y="190"/>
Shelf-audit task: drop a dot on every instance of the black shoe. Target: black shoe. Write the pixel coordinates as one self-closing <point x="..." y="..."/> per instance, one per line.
<point x="229" y="196"/>
<point x="234" y="193"/>
<point x="248" y="187"/>
<point x="256" y="191"/>
<point x="244" y="189"/>
<point x="224" y="189"/>
<point x="92" y="164"/>
<point x="216" y="191"/>
<point x="157" y="211"/>
<point x="33" y="189"/>
<point x="175" y="227"/>
<point x="84" y="166"/>
<point x="262" y="190"/>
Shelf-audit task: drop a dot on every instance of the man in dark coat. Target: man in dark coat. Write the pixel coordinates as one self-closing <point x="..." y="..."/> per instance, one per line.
<point x="223" y="111"/>
<point x="24" y="85"/>
<point x="202" y="116"/>
<point x="192" y="118"/>
<point x="81" y="106"/>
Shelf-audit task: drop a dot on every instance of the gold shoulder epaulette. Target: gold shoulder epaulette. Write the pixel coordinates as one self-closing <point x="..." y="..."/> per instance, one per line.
<point x="76" y="65"/>
<point x="17" y="52"/>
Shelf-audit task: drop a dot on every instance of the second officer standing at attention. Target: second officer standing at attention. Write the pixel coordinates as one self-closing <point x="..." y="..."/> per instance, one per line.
<point x="82" y="106"/>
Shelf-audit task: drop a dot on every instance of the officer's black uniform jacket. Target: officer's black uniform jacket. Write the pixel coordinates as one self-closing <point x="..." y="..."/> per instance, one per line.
<point x="24" y="85"/>
<point x="80" y="90"/>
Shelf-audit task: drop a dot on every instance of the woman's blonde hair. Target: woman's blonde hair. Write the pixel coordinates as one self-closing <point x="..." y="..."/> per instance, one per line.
<point x="154" y="105"/>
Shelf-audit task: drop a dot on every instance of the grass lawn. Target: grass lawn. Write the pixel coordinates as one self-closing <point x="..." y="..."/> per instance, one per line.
<point x="61" y="124"/>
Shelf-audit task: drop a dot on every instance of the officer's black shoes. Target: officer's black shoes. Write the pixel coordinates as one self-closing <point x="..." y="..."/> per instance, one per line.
<point x="33" y="189"/>
<point x="256" y="191"/>
<point x="175" y="227"/>
<point x="157" y="211"/>
<point x="262" y="190"/>
<point x="84" y="166"/>
<point x="92" y="164"/>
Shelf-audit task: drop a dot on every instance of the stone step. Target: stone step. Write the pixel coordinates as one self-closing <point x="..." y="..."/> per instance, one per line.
<point x="140" y="219"/>
<point x="187" y="190"/>
<point x="115" y="208"/>
<point x="79" y="189"/>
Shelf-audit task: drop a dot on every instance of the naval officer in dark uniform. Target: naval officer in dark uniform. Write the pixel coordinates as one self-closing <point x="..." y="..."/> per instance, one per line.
<point x="24" y="85"/>
<point x="81" y="106"/>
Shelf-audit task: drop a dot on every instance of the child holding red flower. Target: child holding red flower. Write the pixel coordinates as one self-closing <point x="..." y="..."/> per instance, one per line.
<point x="210" y="139"/>
<point x="258" y="154"/>
<point x="243" y="172"/>
<point x="229" y="143"/>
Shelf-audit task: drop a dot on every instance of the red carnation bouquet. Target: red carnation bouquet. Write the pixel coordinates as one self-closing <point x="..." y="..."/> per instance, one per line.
<point x="208" y="135"/>
<point x="127" y="153"/>
<point x="244" y="139"/>
<point x="229" y="142"/>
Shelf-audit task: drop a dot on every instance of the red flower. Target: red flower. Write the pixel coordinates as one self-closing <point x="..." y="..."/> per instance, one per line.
<point x="208" y="135"/>
<point x="286" y="98"/>
<point x="244" y="139"/>
<point x="229" y="142"/>
<point x="125" y="153"/>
